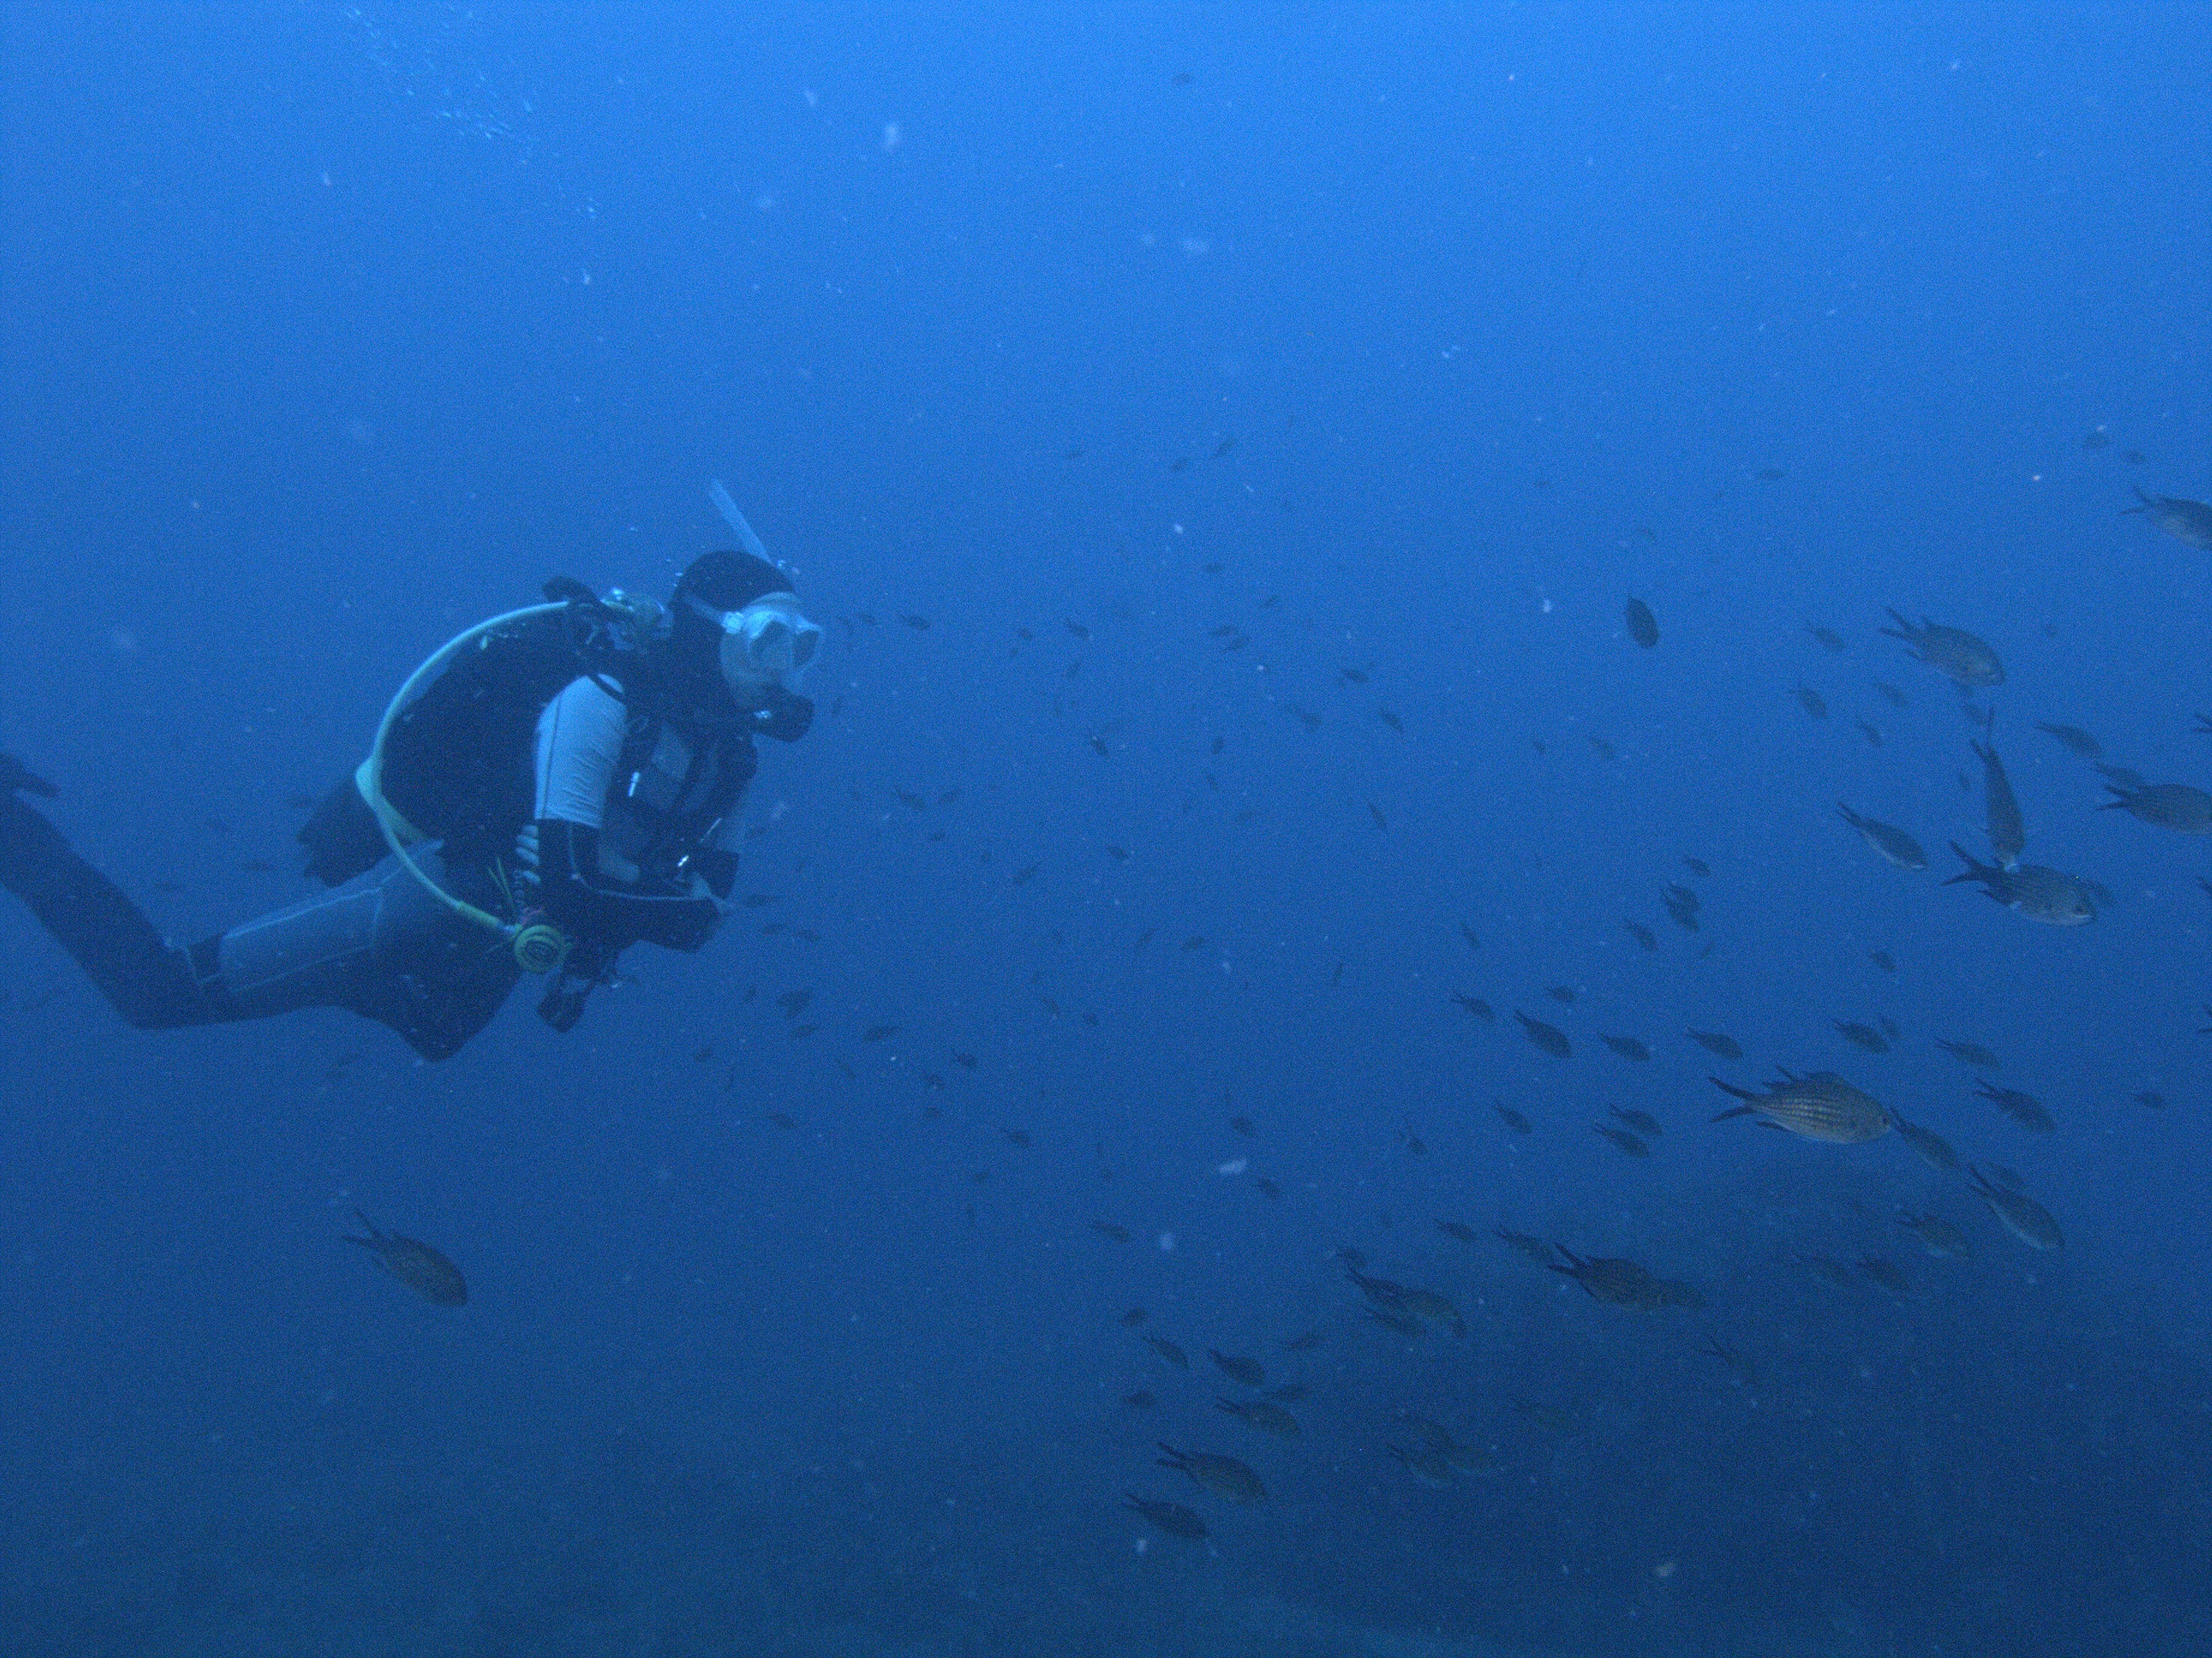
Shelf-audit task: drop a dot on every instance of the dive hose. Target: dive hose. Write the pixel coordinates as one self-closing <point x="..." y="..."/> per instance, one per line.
<point x="538" y="947"/>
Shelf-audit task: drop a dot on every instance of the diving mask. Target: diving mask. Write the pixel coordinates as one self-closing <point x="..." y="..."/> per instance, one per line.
<point x="769" y="642"/>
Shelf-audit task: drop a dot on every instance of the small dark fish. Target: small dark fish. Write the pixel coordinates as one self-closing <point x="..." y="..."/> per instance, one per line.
<point x="1391" y="720"/>
<point x="1696" y="866"/>
<point x="2019" y="1214"/>
<point x="414" y="1264"/>
<point x="1738" y="1365"/>
<point x="1642" y="1121"/>
<point x="1168" y="1351"/>
<point x="1828" y="638"/>
<point x="1142" y="1399"/>
<point x="1550" y="1038"/>
<point x="1771" y="474"/>
<point x="2155" y="1100"/>
<point x="2126" y="776"/>
<point x="1811" y="701"/>
<point x="1887" y="1273"/>
<point x="2023" y="1108"/>
<point x="1353" y="675"/>
<point x="965" y="1061"/>
<point x="1604" y="750"/>
<point x="1467" y="933"/>
<point x="793" y="1003"/>
<point x="1017" y="1136"/>
<point x="1224" y="1476"/>
<point x="1713" y="1042"/>
<point x="920" y="624"/>
<point x="1886" y="838"/>
<point x="1244" y="1372"/>
<point x="2175" y="806"/>
<point x="1243" y="1126"/>
<point x="1181" y="463"/>
<point x="879" y="1032"/>
<point x="1263" y="1414"/>
<point x="2080" y="742"/>
<point x="1183" y="78"/>
<point x="1642" y="626"/>
<point x="1304" y="1343"/>
<point x="1024" y="875"/>
<point x="1889" y="1027"/>
<point x="1376" y="811"/>
<point x="1627" y="1047"/>
<point x="1971" y="1053"/>
<point x="1563" y="994"/>
<point x="1512" y="1119"/>
<point x="1621" y="1138"/>
<point x="1642" y="934"/>
<point x="2008" y="830"/>
<point x="1133" y="1317"/>
<point x="1895" y="697"/>
<point x="782" y="1119"/>
<point x="1478" y="1008"/>
<point x="1883" y="960"/>
<point x="1952" y="652"/>
<point x="1119" y="1234"/>
<point x="1224" y="446"/>
<point x="2099" y="439"/>
<point x="1864" y="1036"/>
<point x="1535" y="1248"/>
<point x="1459" y="1229"/>
<point x="1076" y="627"/>
<point x="2188" y="522"/>
<point x="1172" y="1518"/>
<point x="1872" y="733"/>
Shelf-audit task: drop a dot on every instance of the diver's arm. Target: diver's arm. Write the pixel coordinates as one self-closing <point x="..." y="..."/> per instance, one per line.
<point x="579" y="743"/>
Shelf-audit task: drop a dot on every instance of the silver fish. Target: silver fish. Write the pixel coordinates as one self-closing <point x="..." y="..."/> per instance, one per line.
<point x="2037" y="893"/>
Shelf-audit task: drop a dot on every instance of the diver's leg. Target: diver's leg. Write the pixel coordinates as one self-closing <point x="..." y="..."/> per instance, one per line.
<point x="380" y="945"/>
<point x="449" y="974"/>
<point x="152" y="983"/>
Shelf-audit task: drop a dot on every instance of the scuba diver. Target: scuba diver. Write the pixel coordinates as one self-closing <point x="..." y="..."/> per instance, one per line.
<point x="552" y="787"/>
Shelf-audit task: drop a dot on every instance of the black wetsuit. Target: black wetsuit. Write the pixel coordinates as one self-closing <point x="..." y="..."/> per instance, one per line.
<point x="654" y="865"/>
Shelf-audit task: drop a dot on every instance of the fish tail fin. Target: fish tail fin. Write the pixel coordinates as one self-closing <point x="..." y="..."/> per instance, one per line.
<point x="1730" y="1089"/>
<point x="2120" y="797"/>
<point x="2148" y="502"/>
<point x="1975" y="869"/>
<point x="1734" y="1111"/>
<point x="369" y="1226"/>
<point x="1904" y="629"/>
<point x="1849" y="816"/>
<point x="16" y="777"/>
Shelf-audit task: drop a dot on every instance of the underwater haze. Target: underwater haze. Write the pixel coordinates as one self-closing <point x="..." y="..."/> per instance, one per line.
<point x="1362" y="548"/>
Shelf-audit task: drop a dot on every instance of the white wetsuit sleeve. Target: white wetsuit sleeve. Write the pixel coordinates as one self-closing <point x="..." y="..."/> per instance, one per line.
<point x="580" y="744"/>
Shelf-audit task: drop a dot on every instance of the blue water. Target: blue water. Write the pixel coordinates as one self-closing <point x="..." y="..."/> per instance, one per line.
<point x="1168" y="362"/>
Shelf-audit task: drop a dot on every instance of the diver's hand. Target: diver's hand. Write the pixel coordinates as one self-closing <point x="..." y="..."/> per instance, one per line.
<point x="529" y="874"/>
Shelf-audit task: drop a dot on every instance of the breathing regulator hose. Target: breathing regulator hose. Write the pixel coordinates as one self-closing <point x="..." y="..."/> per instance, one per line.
<point x="538" y="947"/>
